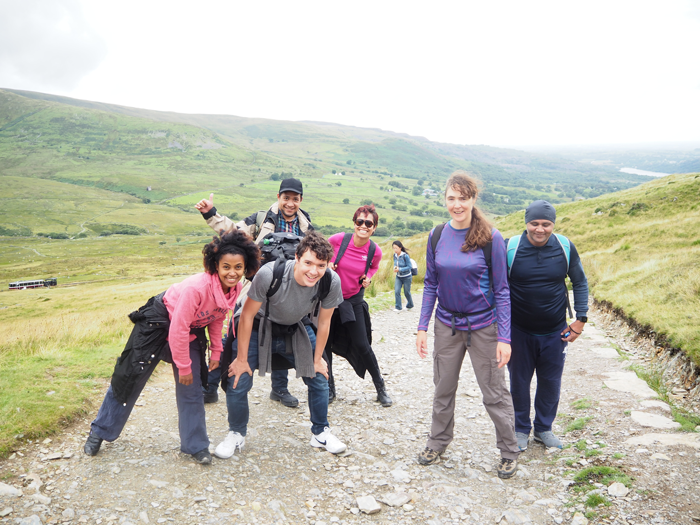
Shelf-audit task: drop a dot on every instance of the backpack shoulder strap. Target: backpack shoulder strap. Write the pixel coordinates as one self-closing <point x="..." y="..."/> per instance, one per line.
<point x="511" y="250"/>
<point x="343" y="246"/>
<point x="566" y="247"/>
<point x="488" y="247"/>
<point x="324" y="288"/>
<point x="370" y="255"/>
<point x="277" y="276"/>
<point x="259" y="219"/>
<point x="437" y="232"/>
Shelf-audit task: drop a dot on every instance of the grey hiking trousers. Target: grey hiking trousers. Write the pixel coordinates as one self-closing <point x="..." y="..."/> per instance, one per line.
<point x="448" y="355"/>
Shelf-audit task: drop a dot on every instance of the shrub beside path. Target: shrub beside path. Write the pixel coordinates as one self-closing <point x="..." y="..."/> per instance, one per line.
<point x="619" y="465"/>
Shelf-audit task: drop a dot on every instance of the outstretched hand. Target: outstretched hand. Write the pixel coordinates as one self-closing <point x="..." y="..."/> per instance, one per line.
<point x="205" y="205"/>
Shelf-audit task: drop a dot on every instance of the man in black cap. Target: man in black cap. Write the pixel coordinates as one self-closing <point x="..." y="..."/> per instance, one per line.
<point x="285" y="215"/>
<point x="538" y="264"/>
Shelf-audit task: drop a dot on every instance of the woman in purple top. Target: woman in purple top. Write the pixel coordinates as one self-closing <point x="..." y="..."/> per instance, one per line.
<point x="473" y="315"/>
<point x="351" y="328"/>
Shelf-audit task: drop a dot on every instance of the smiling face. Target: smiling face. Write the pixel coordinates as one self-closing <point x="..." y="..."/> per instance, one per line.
<point x="364" y="232"/>
<point x="396" y="249"/>
<point x="539" y="231"/>
<point x="288" y="203"/>
<point x="309" y="269"/>
<point x="460" y="208"/>
<point x="231" y="269"/>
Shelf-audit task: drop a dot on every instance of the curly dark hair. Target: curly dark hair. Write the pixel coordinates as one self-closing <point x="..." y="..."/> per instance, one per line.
<point x="315" y="242"/>
<point x="233" y="242"/>
<point x="367" y="209"/>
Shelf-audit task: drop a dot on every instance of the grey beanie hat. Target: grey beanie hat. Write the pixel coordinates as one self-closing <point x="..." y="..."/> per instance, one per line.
<point x="540" y="210"/>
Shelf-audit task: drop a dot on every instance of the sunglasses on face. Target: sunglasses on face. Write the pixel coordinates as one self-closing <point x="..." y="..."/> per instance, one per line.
<point x="367" y="223"/>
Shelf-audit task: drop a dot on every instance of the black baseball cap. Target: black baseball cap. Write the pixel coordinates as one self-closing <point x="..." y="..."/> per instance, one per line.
<point x="292" y="185"/>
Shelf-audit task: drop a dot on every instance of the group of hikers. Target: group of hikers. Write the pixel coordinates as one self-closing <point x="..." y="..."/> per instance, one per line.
<point x="307" y="304"/>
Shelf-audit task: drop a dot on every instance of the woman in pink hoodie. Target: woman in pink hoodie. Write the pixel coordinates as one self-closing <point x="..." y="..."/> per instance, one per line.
<point x="171" y="327"/>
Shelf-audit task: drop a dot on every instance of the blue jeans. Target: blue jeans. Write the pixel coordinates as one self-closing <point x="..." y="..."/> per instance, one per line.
<point x="237" y="399"/>
<point x="406" y="283"/>
<point x="542" y="355"/>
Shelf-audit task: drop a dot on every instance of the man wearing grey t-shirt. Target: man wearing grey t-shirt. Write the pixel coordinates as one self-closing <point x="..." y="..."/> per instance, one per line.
<point x="275" y="325"/>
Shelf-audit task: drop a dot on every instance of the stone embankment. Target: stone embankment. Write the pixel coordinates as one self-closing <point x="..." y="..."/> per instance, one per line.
<point x="608" y="418"/>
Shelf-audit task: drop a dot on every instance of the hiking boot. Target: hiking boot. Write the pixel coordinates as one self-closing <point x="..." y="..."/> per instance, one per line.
<point x="522" y="438"/>
<point x="331" y="391"/>
<point x="285" y="398"/>
<point x="382" y="395"/>
<point x="328" y="441"/>
<point x="203" y="457"/>
<point x="92" y="445"/>
<point x="211" y="397"/>
<point x="228" y="446"/>
<point x="548" y="439"/>
<point x="429" y="456"/>
<point x="506" y="468"/>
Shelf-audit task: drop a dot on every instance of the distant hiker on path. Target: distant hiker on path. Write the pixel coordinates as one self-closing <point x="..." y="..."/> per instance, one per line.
<point x="356" y="260"/>
<point x="170" y="327"/>
<point x="402" y="269"/>
<point x="283" y="216"/>
<point x="538" y="263"/>
<point x="466" y="272"/>
<point x="268" y="321"/>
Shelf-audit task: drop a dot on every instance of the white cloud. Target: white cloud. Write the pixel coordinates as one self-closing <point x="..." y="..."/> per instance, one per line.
<point x="46" y="44"/>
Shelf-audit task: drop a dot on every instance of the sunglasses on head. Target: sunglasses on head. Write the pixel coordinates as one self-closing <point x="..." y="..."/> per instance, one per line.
<point x="365" y="222"/>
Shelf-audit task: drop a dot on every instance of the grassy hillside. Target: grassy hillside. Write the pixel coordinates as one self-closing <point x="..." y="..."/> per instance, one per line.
<point x="210" y="147"/>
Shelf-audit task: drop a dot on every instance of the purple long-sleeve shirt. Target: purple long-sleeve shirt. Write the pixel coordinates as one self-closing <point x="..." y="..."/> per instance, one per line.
<point x="460" y="282"/>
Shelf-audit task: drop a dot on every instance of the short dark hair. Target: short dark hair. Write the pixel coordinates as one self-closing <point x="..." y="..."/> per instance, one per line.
<point x="233" y="242"/>
<point x="315" y="242"/>
<point x="367" y="209"/>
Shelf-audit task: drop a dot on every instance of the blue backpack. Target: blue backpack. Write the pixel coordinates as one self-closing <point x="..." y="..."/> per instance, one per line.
<point x="514" y="242"/>
<point x="512" y="249"/>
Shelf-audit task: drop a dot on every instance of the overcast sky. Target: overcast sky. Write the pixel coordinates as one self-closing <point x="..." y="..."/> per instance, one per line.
<point x="467" y="72"/>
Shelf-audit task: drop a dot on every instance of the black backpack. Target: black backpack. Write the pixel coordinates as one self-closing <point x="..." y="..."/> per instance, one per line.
<point x="279" y="245"/>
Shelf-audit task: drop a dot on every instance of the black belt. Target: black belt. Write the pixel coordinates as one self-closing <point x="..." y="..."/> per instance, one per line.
<point x="463" y="315"/>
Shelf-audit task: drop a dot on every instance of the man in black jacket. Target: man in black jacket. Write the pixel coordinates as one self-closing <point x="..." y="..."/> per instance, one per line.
<point x="285" y="215"/>
<point x="538" y="264"/>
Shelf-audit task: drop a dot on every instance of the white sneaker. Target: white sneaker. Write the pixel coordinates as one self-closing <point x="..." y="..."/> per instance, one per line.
<point x="396" y="310"/>
<point x="228" y="446"/>
<point x="328" y="441"/>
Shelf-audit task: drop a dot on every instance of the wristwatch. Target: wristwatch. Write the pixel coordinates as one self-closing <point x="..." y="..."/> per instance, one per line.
<point x="582" y="318"/>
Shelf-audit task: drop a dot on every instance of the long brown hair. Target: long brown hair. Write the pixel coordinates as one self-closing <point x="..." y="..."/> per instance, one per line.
<point x="479" y="233"/>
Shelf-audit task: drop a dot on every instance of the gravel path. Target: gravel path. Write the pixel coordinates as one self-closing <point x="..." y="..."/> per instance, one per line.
<point x="279" y="478"/>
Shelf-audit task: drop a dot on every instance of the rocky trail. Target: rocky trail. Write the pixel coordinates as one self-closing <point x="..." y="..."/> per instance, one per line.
<point x="609" y="419"/>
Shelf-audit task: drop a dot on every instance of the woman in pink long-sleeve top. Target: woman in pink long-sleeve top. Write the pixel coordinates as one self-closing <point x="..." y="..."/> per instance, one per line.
<point x="171" y="327"/>
<point x="351" y="329"/>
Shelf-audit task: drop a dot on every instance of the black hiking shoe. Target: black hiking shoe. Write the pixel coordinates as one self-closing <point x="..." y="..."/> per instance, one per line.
<point x="92" y="445"/>
<point x="211" y="397"/>
<point x="507" y="467"/>
<point x="285" y="398"/>
<point x="203" y="457"/>
<point x="429" y="457"/>
<point x="382" y="395"/>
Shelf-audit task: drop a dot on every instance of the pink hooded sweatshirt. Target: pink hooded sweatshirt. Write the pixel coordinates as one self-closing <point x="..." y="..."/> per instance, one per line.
<point x="196" y="302"/>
